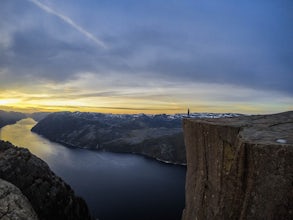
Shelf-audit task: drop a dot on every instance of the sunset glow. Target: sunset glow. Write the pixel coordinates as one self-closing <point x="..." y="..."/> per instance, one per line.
<point x="146" y="57"/>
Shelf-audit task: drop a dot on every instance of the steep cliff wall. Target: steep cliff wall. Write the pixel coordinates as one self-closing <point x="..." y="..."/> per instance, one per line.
<point x="239" y="168"/>
<point x="50" y="197"/>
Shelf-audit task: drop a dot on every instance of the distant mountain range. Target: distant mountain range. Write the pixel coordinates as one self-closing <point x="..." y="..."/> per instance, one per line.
<point x="7" y="118"/>
<point x="38" y="116"/>
<point x="157" y="136"/>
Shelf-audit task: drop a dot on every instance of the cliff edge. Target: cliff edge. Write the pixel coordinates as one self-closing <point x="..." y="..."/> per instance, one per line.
<point x="49" y="195"/>
<point x="239" y="168"/>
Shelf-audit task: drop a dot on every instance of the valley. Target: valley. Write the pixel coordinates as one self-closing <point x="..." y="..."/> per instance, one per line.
<point x="115" y="186"/>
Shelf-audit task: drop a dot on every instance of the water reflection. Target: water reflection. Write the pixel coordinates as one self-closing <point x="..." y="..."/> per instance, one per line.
<point x="19" y="134"/>
<point x="115" y="186"/>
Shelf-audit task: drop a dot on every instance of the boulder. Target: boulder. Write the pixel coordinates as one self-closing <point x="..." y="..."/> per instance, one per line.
<point x="13" y="204"/>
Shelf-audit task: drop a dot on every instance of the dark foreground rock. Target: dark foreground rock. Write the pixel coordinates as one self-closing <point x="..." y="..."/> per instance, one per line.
<point x="239" y="168"/>
<point x="50" y="197"/>
<point x="13" y="204"/>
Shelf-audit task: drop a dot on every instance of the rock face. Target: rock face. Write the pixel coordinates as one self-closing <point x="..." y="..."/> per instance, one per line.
<point x="50" y="197"/>
<point x="13" y="204"/>
<point x="157" y="136"/>
<point x="239" y="168"/>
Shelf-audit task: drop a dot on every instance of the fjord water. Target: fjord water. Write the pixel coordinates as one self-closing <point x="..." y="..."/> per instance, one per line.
<point x="115" y="186"/>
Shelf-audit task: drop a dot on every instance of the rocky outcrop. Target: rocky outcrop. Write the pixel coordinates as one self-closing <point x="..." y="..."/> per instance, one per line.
<point x="239" y="168"/>
<point x="49" y="195"/>
<point x="13" y="204"/>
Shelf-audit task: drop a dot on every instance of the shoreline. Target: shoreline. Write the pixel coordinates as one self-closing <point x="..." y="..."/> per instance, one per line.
<point x="97" y="150"/>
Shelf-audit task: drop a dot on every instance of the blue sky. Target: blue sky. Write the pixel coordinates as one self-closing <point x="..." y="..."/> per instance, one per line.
<point x="146" y="56"/>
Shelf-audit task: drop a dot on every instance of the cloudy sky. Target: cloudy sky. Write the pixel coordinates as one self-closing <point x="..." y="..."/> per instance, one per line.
<point x="146" y="56"/>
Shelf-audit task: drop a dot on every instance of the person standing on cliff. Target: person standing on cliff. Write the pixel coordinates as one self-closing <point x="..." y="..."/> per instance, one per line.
<point x="188" y="112"/>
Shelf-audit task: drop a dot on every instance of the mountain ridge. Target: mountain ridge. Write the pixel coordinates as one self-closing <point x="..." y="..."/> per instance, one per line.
<point x="11" y="117"/>
<point x="157" y="136"/>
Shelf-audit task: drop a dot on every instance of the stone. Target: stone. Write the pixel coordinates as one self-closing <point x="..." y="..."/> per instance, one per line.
<point x="13" y="204"/>
<point x="49" y="195"/>
<point x="239" y="168"/>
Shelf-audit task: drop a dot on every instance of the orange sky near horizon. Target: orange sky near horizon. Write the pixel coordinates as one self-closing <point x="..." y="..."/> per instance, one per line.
<point x="131" y="103"/>
<point x="149" y="57"/>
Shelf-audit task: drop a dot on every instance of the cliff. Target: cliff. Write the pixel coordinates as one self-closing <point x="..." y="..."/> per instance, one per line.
<point x="239" y="168"/>
<point x="49" y="195"/>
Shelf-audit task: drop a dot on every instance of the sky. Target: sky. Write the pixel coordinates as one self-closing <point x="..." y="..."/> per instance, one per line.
<point x="147" y="56"/>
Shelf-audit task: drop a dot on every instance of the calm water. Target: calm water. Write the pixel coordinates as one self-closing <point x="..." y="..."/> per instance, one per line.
<point x="115" y="186"/>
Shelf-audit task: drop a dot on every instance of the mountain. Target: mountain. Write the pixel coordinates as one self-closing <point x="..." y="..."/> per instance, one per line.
<point x="157" y="136"/>
<point x="38" y="116"/>
<point x="152" y="135"/>
<point x="7" y="118"/>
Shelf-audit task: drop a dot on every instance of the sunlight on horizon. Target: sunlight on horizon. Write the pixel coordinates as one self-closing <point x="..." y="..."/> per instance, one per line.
<point x="126" y="108"/>
<point x="79" y="95"/>
<point x="105" y="57"/>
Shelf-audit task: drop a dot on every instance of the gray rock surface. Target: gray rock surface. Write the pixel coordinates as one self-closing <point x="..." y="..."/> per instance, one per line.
<point x="239" y="168"/>
<point x="13" y="204"/>
<point x="49" y="195"/>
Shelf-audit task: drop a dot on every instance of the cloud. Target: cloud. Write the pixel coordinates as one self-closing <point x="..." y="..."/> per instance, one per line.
<point x="164" y="53"/>
<point x="70" y="22"/>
